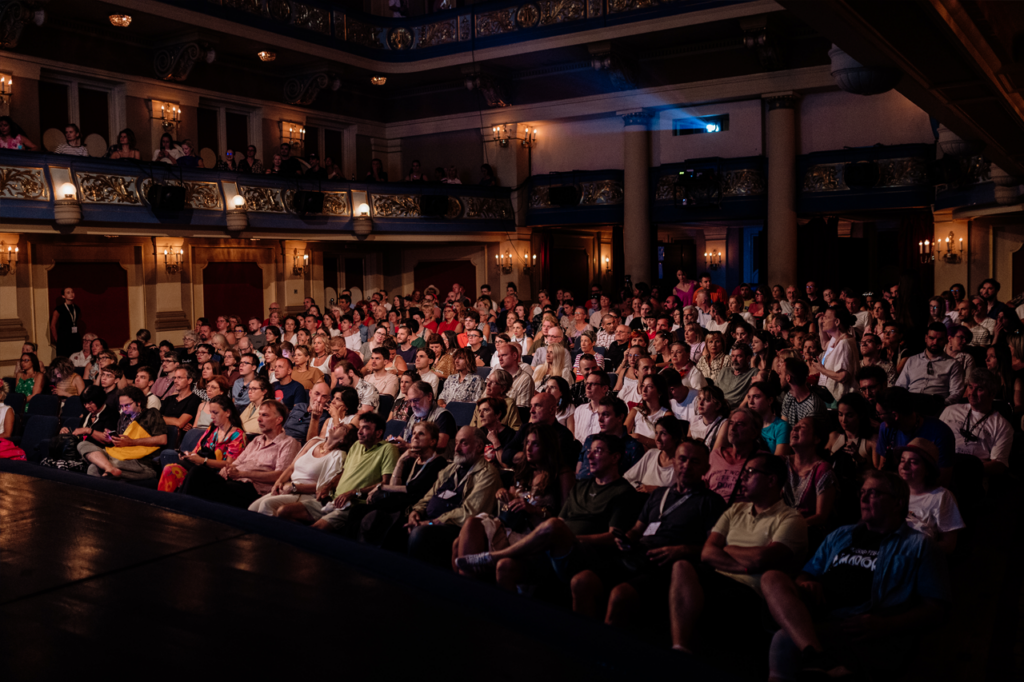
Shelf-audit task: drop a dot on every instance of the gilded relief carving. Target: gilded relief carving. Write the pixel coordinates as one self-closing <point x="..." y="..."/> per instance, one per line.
<point x="616" y="6"/>
<point x="495" y="23"/>
<point x="902" y="172"/>
<point x="262" y="199"/>
<point x="336" y="203"/>
<point x="528" y="16"/>
<point x="362" y="34"/>
<point x="596" y="8"/>
<point x="199" y="195"/>
<point x="23" y="183"/>
<point x="488" y="208"/>
<point x="666" y="188"/>
<point x="252" y="6"/>
<point x="437" y="34"/>
<point x="602" y="193"/>
<point x="395" y="206"/>
<point x="108" y="189"/>
<point x="465" y="27"/>
<point x="400" y="38"/>
<point x="560" y="11"/>
<point x="742" y="183"/>
<point x="279" y="10"/>
<point x="313" y="18"/>
<point x="539" y="197"/>
<point x="826" y="177"/>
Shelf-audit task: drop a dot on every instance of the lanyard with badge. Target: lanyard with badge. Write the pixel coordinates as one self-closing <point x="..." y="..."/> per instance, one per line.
<point x="73" y="314"/>
<point x="652" y="528"/>
<point x="449" y="494"/>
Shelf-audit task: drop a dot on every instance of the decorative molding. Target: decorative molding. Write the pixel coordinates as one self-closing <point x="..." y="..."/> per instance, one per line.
<point x="24" y="183"/>
<point x="262" y="199"/>
<point x="171" y="320"/>
<point x="337" y="204"/>
<point x="400" y="38"/>
<point x="175" y="62"/>
<point x="539" y="197"/>
<point x="12" y="329"/>
<point x="490" y="87"/>
<point x="641" y="117"/>
<point x="303" y="90"/>
<point x="620" y="6"/>
<point x="487" y="208"/>
<point x="199" y="195"/>
<point x="100" y="188"/>
<point x="441" y="33"/>
<point x="311" y="18"/>
<point x="395" y="205"/>
<point x="743" y="183"/>
<point x="601" y="193"/>
<point x="787" y="101"/>
<point x="14" y="17"/>
<point x="363" y="34"/>
<point x="906" y="172"/>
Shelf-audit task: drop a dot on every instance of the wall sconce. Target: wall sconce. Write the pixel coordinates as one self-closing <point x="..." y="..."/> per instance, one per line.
<point x="529" y="263"/>
<point x="712" y="260"/>
<point x="951" y="256"/>
<point x="299" y="264"/>
<point x="169" y="114"/>
<point x="172" y="260"/>
<point x="607" y="265"/>
<point x="925" y="252"/>
<point x="293" y="133"/>
<point x="8" y="263"/>
<point x="237" y="217"/>
<point x="6" y="88"/>
<point x="67" y="211"/>
<point x="362" y="223"/>
<point x="502" y="136"/>
<point x="504" y="261"/>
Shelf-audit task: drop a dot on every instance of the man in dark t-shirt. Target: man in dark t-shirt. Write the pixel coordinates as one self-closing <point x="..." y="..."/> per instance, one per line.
<point x="674" y="524"/>
<point x="287" y="390"/>
<point x="543" y="410"/>
<point x="594" y="512"/>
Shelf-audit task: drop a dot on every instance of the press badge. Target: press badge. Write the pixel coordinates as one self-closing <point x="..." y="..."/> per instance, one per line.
<point x="652" y="528"/>
<point x="446" y="495"/>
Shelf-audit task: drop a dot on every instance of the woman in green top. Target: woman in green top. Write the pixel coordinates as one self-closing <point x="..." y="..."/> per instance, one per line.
<point x="29" y="377"/>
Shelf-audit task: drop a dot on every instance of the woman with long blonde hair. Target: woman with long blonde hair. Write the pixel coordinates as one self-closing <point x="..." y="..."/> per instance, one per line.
<point x="557" y="364"/>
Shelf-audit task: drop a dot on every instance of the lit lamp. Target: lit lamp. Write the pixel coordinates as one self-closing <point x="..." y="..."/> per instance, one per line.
<point x="504" y="261"/>
<point x="713" y="259"/>
<point x="172" y="260"/>
<point x="925" y="252"/>
<point x="6" y="89"/>
<point x="8" y="262"/>
<point x="530" y="263"/>
<point x="952" y="256"/>
<point x="501" y="135"/>
<point x="299" y="264"/>
<point x="237" y="217"/>
<point x="362" y="223"/>
<point x="170" y="115"/>
<point x="67" y="211"/>
<point x="607" y="265"/>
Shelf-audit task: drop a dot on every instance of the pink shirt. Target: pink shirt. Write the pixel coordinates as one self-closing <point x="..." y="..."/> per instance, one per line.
<point x="263" y="454"/>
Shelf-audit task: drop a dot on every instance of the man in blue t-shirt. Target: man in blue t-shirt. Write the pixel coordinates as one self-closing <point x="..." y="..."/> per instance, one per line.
<point x="287" y="390"/>
<point x="867" y="589"/>
<point x="900" y="424"/>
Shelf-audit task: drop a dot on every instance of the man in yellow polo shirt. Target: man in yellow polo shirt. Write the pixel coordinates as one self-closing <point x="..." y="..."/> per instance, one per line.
<point x="750" y="538"/>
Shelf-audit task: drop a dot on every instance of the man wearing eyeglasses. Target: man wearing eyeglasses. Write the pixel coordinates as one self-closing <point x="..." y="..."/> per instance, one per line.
<point x="865" y="583"/>
<point x="933" y="373"/>
<point x="247" y="367"/>
<point x="552" y="336"/>
<point x="980" y="431"/>
<point x="750" y="538"/>
<point x="817" y="302"/>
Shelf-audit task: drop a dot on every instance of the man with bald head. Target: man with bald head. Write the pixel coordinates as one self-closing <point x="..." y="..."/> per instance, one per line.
<point x="543" y="408"/>
<point x="463" y="489"/>
<point x="617" y="350"/>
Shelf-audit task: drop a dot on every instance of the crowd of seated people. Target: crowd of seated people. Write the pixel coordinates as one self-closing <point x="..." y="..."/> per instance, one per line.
<point x="806" y="497"/>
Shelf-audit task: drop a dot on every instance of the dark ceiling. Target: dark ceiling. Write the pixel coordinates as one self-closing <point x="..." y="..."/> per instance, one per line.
<point x="80" y="32"/>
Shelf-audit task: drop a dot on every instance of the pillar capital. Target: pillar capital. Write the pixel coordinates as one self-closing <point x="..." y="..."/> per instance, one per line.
<point x="781" y="100"/>
<point x="636" y="117"/>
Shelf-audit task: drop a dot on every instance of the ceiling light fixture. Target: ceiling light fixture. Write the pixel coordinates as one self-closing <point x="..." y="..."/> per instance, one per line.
<point x="266" y="56"/>
<point x="379" y="80"/>
<point x="120" y="20"/>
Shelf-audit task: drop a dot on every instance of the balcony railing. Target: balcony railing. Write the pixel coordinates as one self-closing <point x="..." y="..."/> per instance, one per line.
<point x="117" y="193"/>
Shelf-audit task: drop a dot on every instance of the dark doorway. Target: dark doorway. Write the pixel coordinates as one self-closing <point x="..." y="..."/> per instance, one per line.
<point x="443" y="274"/>
<point x="570" y="271"/>
<point x="232" y="289"/>
<point x="679" y="255"/>
<point x="238" y="133"/>
<point x="95" y="113"/>
<point x="101" y="291"/>
<point x="353" y="274"/>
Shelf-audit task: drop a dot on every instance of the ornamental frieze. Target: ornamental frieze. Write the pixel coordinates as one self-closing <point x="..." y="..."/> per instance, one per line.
<point x="98" y="188"/>
<point x="24" y="183"/>
<point x="262" y="199"/>
<point x="204" y="196"/>
<point x="488" y="208"/>
<point x="395" y="206"/>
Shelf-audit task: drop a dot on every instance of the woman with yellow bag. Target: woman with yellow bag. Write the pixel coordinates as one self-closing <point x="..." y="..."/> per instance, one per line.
<point x="140" y="433"/>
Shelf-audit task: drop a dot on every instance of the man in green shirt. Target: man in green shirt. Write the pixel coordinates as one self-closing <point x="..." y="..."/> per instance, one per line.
<point x="735" y="378"/>
<point x="369" y="462"/>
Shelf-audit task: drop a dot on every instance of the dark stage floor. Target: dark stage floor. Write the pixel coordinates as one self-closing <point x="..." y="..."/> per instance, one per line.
<point x="94" y="581"/>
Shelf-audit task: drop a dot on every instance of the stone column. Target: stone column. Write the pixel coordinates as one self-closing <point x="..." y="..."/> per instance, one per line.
<point x="636" y="237"/>
<point x="781" y="149"/>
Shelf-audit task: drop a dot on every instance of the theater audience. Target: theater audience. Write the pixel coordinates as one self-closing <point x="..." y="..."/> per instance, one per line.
<point x="933" y="509"/>
<point x="123" y="451"/>
<point x="221" y="445"/>
<point x="462" y="385"/>
<point x="258" y="391"/>
<point x="655" y="468"/>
